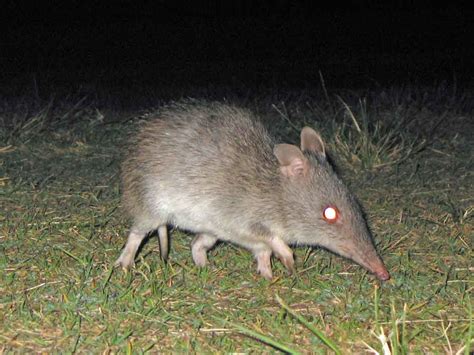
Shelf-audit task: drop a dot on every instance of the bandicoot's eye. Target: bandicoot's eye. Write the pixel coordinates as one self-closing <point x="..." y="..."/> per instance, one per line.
<point x="331" y="214"/>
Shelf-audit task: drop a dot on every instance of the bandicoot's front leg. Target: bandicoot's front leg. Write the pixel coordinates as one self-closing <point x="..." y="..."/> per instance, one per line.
<point x="199" y="247"/>
<point x="264" y="266"/>
<point x="283" y="252"/>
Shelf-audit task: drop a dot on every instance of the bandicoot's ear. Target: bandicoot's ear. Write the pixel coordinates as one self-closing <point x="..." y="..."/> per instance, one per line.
<point x="312" y="142"/>
<point x="291" y="159"/>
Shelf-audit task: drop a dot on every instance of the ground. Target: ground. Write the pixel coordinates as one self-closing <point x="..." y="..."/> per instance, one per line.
<point x="407" y="153"/>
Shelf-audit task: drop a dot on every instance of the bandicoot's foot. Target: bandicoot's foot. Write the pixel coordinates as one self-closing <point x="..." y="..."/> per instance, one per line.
<point x="125" y="262"/>
<point x="199" y="247"/>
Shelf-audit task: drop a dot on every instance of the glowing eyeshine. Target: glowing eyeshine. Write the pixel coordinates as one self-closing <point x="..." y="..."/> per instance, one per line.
<point x="331" y="214"/>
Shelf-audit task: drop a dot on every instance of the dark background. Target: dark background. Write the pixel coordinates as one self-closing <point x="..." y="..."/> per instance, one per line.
<point x="127" y="44"/>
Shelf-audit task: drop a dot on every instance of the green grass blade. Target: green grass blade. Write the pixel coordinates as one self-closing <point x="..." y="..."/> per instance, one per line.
<point x="79" y="260"/>
<point x="329" y="343"/>
<point x="263" y="338"/>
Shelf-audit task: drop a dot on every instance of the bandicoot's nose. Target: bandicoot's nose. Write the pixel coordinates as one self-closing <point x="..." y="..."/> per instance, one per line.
<point x="383" y="275"/>
<point x="375" y="265"/>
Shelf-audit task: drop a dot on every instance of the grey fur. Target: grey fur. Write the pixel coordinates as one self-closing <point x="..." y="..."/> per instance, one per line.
<point x="212" y="169"/>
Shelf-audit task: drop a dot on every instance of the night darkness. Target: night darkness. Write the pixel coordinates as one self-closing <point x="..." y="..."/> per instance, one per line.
<point x="241" y="43"/>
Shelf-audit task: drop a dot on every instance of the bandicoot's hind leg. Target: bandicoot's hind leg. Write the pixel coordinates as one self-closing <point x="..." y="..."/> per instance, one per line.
<point x="135" y="238"/>
<point x="199" y="247"/>
<point x="164" y="242"/>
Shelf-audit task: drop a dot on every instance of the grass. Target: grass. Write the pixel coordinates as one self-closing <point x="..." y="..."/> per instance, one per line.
<point x="405" y="152"/>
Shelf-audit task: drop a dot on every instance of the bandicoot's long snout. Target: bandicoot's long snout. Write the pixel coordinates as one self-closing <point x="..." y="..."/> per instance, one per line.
<point x="376" y="266"/>
<point x="382" y="274"/>
<point x="363" y="254"/>
<point x="368" y="258"/>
